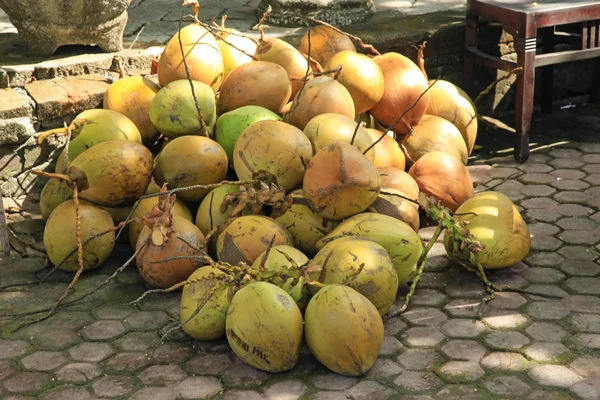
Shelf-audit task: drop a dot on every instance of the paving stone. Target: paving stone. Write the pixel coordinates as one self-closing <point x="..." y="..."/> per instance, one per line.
<point x="547" y="310"/>
<point x="127" y="362"/>
<point x="546" y="351"/>
<point x="580" y="268"/>
<point x="417" y="381"/>
<point x="579" y="237"/>
<point x="390" y="346"/>
<point x="91" y="352"/>
<point x="589" y="147"/>
<point x="460" y="392"/>
<point x="571" y="154"/>
<point x="43" y="361"/>
<point x="137" y="341"/>
<point x="466" y="328"/>
<point x="244" y="376"/>
<point x="542" y="229"/>
<point x="423" y="337"/>
<point x="537" y="190"/>
<point x="507" y="386"/>
<point x="461" y="371"/>
<point x="428" y="297"/>
<point x="114" y="386"/>
<point x="199" y="387"/>
<point x="154" y="393"/>
<point x="573" y="210"/>
<point x="162" y="375"/>
<point x="505" y="361"/>
<point x="566" y="163"/>
<point x="572" y="196"/>
<point x="25" y="382"/>
<point x="369" y="390"/>
<point x="69" y="393"/>
<point x="394" y="326"/>
<point x="568" y="173"/>
<point x="326" y="396"/>
<point x="466" y="289"/>
<point x="462" y="308"/>
<point x="570" y="184"/>
<point x="113" y="311"/>
<point x="383" y="369"/>
<point x="331" y="381"/>
<point x="419" y="360"/>
<point x="424" y="316"/>
<point x="78" y="373"/>
<point x="542" y="215"/>
<point x="539" y="203"/>
<point x="536" y="178"/>
<point x="593" y="179"/>
<point x="243" y="394"/>
<point x="208" y="364"/>
<point x="546" y="332"/>
<point x="586" y="322"/>
<point x="147" y="320"/>
<point x="543" y="275"/>
<point x="584" y="285"/>
<point x="588" y="340"/>
<point x="545" y="243"/>
<point x="506" y="340"/>
<point x="56" y="339"/>
<point x="5" y="369"/>
<point x="500" y="318"/>
<point x="585" y="304"/>
<point x="171" y="353"/>
<point x="104" y="330"/>
<point x="554" y="375"/>
<point x="468" y="350"/>
<point x="578" y="253"/>
<point x="577" y="223"/>
<point x="588" y="389"/>
<point x="500" y="172"/>
<point x="13" y="348"/>
<point x="587" y="367"/>
<point x="545" y="259"/>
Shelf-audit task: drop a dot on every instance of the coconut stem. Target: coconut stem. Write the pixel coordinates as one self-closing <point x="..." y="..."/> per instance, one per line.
<point x="217" y="32"/>
<point x="57" y="131"/>
<point x="262" y="21"/>
<point x="305" y="78"/>
<point x="358" y="125"/>
<point x="187" y="72"/>
<point x="319" y="22"/>
<point x="401" y="117"/>
<point x="421" y="58"/>
<point x="401" y="196"/>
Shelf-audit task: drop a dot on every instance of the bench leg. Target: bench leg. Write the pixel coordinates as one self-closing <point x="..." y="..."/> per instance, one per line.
<point x="469" y="60"/>
<point x="524" y="96"/>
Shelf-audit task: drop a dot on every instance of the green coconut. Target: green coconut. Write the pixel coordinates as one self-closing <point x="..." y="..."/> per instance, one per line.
<point x="343" y="330"/>
<point x="264" y="327"/>
<point x="174" y="113"/>
<point x="244" y="238"/>
<point x="212" y="297"/>
<point x="55" y="192"/>
<point x="60" y="235"/>
<point x="305" y="226"/>
<point x="361" y="264"/>
<point x="397" y="237"/>
<point x="283" y="258"/>
<point x="230" y="125"/>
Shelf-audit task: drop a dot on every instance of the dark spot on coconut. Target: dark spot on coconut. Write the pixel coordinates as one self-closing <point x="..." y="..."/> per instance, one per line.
<point x="284" y="301"/>
<point x="230" y="252"/>
<point x="367" y="289"/>
<point x="404" y="241"/>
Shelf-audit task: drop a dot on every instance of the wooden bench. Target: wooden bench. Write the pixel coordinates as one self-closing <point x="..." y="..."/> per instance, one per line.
<point x="524" y="19"/>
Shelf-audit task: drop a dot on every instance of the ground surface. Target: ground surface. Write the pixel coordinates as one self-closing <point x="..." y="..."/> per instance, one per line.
<point x="526" y="347"/>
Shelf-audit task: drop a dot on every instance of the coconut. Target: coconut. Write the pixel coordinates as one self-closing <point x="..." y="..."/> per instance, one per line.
<point x="361" y="264"/>
<point x="235" y="49"/>
<point x="243" y="239"/>
<point x="343" y="330"/>
<point x="324" y="43"/>
<point x="190" y="160"/>
<point x="496" y="223"/>
<point x="395" y="204"/>
<point x="60" y="236"/>
<point x="55" y="192"/>
<point x="275" y="347"/>
<point x="394" y="178"/>
<point x="397" y="237"/>
<point x="132" y="97"/>
<point x="387" y="151"/>
<point x="230" y="125"/>
<point x="174" y="112"/>
<point x="340" y="182"/>
<point x="305" y="226"/>
<point x="275" y="147"/>
<point x="202" y="54"/>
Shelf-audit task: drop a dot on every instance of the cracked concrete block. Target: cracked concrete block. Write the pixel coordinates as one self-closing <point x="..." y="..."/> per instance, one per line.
<point x="15" y="130"/>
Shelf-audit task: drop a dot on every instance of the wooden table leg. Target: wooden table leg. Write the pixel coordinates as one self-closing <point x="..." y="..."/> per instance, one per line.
<point x="469" y="60"/>
<point x="4" y="244"/>
<point x="524" y="96"/>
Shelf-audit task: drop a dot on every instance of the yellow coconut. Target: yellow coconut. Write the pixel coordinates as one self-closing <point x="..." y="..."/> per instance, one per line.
<point x="494" y="221"/>
<point x="387" y="151"/>
<point x="395" y="204"/>
<point x="55" y="192"/>
<point x="324" y="43"/>
<point x="343" y="330"/>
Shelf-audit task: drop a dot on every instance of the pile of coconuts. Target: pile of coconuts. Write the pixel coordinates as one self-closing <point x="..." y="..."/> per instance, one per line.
<point x="347" y="161"/>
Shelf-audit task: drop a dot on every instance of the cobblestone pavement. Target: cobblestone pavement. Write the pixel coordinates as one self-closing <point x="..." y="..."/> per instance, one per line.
<point x="525" y="347"/>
